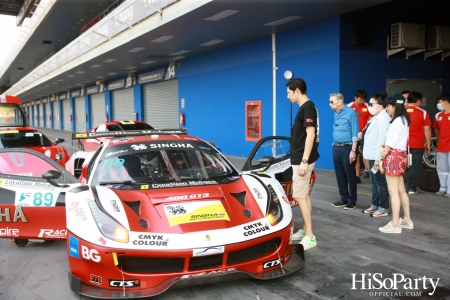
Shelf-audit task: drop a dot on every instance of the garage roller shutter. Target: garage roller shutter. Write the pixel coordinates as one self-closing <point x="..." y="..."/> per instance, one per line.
<point x="48" y="123"/>
<point x="35" y="109"/>
<point x="161" y="104"/>
<point x="97" y="109"/>
<point x="56" y="116"/>
<point x="66" y="115"/>
<point x="123" y="105"/>
<point x="41" y="115"/>
<point x="80" y="114"/>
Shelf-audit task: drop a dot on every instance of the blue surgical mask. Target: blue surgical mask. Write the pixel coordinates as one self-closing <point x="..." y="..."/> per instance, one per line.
<point x="440" y="107"/>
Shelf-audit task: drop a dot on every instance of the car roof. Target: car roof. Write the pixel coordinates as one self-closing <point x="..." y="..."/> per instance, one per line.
<point x="124" y="122"/>
<point x="9" y="99"/>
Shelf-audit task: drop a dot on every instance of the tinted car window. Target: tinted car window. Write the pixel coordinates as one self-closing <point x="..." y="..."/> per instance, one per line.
<point x="163" y="161"/>
<point x="23" y="138"/>
<point x="11" y="115"/>
<point x="119" y="127"/>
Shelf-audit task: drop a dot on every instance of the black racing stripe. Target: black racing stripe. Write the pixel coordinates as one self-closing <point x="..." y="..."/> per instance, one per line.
<point x="7" y="196"/>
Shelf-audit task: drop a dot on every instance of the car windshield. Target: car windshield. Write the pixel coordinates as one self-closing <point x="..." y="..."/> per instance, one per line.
<point x="164" y="161"/>
<point x="120" y="127"/>
<point x="11" y="115"/>
<point x="23" y="138"/>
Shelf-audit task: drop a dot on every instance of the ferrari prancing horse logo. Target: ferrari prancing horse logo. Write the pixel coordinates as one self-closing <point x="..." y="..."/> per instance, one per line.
<point x="208" y="237"/>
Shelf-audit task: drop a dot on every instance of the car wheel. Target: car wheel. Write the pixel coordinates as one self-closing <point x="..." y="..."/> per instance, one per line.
<point x="430" y="159"/>
<point x="21" y="242"/>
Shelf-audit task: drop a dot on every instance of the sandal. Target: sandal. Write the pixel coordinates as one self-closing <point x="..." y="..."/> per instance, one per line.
<point x="379" y="215"/>
<point x="369" y="211"/>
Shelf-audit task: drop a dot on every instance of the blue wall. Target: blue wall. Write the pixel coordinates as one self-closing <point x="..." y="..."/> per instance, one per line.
<point x="216" y="85"/>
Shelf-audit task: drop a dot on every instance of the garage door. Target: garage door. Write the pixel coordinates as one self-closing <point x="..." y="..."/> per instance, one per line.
<point x="123" y="105"/>
<point x="66" y="115"/>
<point x="35" y="116"/>
<point x="161" y="104"/>
<point x="97" y="109"/>
<point x="41" y="115"/>
<point x="56" y="116"/>
<point x="80" y="114"/>
<point x="48" y="123"/>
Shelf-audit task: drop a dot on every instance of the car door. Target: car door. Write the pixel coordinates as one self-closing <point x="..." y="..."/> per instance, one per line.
<point x="277" y="147"/>
<point x="31" y="207"/>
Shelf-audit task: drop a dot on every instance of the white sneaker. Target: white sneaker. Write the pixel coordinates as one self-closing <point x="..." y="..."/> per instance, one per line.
<point x="403" y="224"/>
<point x="308" y="243"/>
<point x="298" y="236"/>
<point x="391" y="229"/>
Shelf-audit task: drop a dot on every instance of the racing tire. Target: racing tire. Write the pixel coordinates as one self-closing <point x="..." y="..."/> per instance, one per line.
<point x="430" y="159"/>
<point x="21" y="242"/>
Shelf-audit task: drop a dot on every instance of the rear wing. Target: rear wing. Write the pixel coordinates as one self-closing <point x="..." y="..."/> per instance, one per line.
<point x="113" y="134"/>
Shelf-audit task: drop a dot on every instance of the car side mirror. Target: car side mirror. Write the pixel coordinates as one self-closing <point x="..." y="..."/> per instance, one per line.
<point x="265" y="160"/>
<point x="58" y="141"/>
<point x="51" y="175"/>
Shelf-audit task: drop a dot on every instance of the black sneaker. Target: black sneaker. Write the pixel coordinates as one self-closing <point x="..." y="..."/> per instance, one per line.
<point x="350" y="206"/>
<point x="358" y="180"/>
<point x="339" y="204"/>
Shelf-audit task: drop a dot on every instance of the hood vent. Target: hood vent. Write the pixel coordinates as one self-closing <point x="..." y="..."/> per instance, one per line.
<point x="135" y="206"/>
<point x="240" y="197"/>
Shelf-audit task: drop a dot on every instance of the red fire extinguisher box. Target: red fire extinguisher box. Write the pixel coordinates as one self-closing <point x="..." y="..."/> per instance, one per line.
<point x="253" y="131"/>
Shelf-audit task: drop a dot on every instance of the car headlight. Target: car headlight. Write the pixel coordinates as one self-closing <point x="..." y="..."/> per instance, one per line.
<point x="110" y="228"/>
<point x="274" y="210"/>
<point x="59" y="156"/>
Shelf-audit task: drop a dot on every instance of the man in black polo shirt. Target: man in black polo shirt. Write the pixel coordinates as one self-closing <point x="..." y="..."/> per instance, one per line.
<point x="304" y="144"/>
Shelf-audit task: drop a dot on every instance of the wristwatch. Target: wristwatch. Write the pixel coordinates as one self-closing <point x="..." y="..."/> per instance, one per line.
<point x="305" y="161"/>
<point x="353" y="149"/>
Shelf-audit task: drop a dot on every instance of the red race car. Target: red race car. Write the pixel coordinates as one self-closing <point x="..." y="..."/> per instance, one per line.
<point x="92" y="144"/>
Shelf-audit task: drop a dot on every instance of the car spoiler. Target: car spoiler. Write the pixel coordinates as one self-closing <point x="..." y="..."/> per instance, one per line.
<point x="112" y="134"/>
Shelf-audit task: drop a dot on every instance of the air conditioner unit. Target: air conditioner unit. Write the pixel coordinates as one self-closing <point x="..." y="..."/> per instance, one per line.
<point x="439" y="38"/>
<point x="408" y="35"/>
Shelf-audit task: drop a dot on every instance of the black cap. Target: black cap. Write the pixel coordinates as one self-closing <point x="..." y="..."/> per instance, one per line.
<point x="394" y="98"/>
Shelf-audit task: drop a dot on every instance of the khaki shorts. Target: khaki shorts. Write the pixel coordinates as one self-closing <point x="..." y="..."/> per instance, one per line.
<point x="300" y="184"/>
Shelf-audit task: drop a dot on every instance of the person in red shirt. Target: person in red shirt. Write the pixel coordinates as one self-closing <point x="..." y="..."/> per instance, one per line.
<point x="419" y="133"/>
<point x="362" y="111"/>
<point x="441" y="127"/>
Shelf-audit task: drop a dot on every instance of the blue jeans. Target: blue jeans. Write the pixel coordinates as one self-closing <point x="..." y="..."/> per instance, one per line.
<point x="415" y="169"/>
<point x="443" y="170"/>
<point x="345" y="174"/>
<point x="380" y="193"/>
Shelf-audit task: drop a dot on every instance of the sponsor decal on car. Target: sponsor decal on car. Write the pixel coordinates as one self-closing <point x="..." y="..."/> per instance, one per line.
<point x="258" y="193"/>
<point x="74" y="249"/>
<point x="29" y="184"/>
<point x="195" y="212"/>
<point x="122" y="140"/>
<point x="255" y="228"/>
<point x="9" y="232"/>
<point x="183" y="184"/>
<point x="33" y="198"/>
<point x="144" y="187"/>
<point x="272" y="263"/>
<point x="208" y="251"/>
<point x="209" y="273"/>
<point x="95" y="279"/>
<point x="281" y="165"/>
<point x="5" y="215"/>
<point x="185" y="197"/>
<point x="50" y="233"/>
<point x="115" y="152"/>
<point x="78" y="212"/>
<point x="129" y="283"/>
<point x="171" y="145"/>
<point x="90" y="254"/>
<point x="138" y="147"/>
<point x="114" y="205"/>
<point x="151" y="240"/>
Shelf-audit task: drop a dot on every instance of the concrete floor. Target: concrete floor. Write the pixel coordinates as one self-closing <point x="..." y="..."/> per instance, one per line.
<point x="349" y="246"/>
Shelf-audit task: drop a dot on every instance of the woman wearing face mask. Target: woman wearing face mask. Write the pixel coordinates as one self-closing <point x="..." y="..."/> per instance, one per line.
<point x="395" y="158"/>
<point x="374" y="136"/>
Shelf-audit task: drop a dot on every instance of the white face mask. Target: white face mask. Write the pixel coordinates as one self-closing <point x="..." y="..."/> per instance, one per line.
<point x="373" y="110"/>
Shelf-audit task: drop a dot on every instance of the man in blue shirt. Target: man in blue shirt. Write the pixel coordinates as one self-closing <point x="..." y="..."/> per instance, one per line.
<point x="345" y="139"/>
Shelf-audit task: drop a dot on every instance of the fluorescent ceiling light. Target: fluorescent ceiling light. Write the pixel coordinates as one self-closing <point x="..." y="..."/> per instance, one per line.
<point x="130" y="68"/>
<point x="112" y="73"/>
<point x="221" y="15"/>
<point x="109" y="60"/>
<point x="70" y="75"/>
<point x="282" y="21"/>
<point x="181" y="52"/>
<point x="147" y="62"/>
<point x="80" y="72"/>
<point x="213" y="42"/>
<point x="162" y="39"/>
<point x="95" y="66"/>
<point x="99" y="77"/>
<point x="137" y="49"/>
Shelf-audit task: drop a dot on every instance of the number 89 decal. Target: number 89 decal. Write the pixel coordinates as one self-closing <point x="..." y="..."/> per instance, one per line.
<point x="43" y="199"/>
<point x="35" y="199"/>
